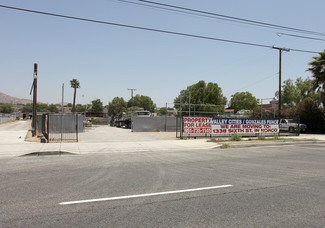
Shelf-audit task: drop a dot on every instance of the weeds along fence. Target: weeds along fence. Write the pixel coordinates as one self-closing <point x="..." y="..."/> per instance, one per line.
<point x="59" y="128"/>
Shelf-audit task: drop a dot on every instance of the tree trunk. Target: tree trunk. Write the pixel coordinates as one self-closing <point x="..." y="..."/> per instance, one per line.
<point x="74" y="100"/>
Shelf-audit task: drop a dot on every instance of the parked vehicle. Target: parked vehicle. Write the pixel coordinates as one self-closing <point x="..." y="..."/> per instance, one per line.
<point x="126" y="119"/>
<point x="142" y="114"/>
<point x="291" y="126"/>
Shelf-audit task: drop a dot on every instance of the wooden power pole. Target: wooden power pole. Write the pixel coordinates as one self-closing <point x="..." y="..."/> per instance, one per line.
<point x="280" y="63"/>
<point x="34" y="102"/>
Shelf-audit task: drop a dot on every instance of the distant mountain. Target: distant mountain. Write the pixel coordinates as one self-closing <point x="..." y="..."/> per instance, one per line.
<point x="4" y="98"/>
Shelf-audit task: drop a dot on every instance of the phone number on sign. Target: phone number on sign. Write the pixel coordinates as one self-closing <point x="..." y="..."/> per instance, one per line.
<point x="197" y="130"/>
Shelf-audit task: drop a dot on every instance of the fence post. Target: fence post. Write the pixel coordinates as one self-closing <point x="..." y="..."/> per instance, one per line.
<point x="182" y="127"/>
<point x="62" y="127"/>
<point x="76" y="126"/>
<point x="298" y="133"/>
<point x="176" y="126"/>
<point x="48" y="127"/>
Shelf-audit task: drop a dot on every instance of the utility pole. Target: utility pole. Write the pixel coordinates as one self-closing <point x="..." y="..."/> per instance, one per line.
<point x="34" y="101"/>
<point x="132" y="94"/>
<point x="280" y="60"/>
<point x="62" y="105"/>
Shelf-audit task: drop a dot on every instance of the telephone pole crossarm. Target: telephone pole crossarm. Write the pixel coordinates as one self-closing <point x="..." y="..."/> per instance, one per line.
<point x="132" y="94"/>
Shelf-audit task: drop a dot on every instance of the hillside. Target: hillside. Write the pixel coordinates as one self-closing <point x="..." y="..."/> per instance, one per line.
<point x="4" y="98"/>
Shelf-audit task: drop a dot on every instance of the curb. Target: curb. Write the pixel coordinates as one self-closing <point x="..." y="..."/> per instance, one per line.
<point x="46" y="153"/>
<point x="270" y="144"/>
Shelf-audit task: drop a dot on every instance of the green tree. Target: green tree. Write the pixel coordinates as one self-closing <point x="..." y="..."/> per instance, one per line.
<point x="81" y="108"/>
<point x="317" y="67"/>
<point x="162" y="111"/>
<point x="6" y="108"/>
<point x="39" y="106"/>
<point x="208" y="99"/>
<point x="75" y="85"/>
<point x="293" y="93"/>
<point x="257" y="111"/>
<point x="117" y="106"/>
<point x="305" y="89"/>
<point x="309" y="112"/>
<point x="53" y="108"/>
<point x="28" y="107"/>
<point x="289" y="93"/>
<point x="243" y="100"/>
<point x="144" y="102"/>
<point x="97" y="106"/>
<point x="42" y="107"/>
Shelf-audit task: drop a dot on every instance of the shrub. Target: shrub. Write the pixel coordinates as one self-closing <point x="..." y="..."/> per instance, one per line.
<point x="276" y="137"/>
<point x="99" y="121"/>
<point x="212" y="140"/>
<point x="224" y="146"/>
<point x="235" y="137"/>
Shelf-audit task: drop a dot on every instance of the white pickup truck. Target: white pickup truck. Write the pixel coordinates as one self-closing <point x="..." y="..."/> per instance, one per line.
<point x="291" y="126"/>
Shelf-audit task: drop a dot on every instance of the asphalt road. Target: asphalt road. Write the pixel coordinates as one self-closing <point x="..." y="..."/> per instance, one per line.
<point x="270" y="187"/>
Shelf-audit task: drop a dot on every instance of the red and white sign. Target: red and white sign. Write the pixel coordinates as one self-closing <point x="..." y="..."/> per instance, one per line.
<point x="197" y="125"/>
<point x="214" y="126"/>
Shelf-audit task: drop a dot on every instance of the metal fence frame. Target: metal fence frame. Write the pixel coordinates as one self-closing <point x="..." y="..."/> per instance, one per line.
<point x="59" y="128"/>
<point x="153" y="124"/>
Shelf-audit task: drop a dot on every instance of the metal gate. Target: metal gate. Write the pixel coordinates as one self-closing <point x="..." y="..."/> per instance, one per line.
<point x="58" y="127"/>
<point x="179" y="127"/>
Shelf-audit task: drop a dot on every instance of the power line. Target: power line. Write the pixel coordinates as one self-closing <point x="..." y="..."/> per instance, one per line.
<point x="237" y="19"/>
<point x="297" y="36"/>
<point x="150" y="29"/>
<point x="254" y="83"/>
<point x="219" y="18"/>
<point x="175" y="10"/>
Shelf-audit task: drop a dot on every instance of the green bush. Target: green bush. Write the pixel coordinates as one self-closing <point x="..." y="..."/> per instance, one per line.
<point x="212" y="140"/>
<point x="276" y="137"/>
<point x="235" y="137"/>
<point x="99" y="121"/>
<point x="224" y="146"/>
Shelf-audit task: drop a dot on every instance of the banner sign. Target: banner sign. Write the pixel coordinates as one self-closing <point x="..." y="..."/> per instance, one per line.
<point x="215" y="126"/>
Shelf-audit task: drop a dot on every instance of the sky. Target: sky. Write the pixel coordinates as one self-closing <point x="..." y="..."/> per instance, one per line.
<point x="108" y="60"/>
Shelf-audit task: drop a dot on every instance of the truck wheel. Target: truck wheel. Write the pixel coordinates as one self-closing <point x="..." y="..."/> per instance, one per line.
<point x="291" y="130"/>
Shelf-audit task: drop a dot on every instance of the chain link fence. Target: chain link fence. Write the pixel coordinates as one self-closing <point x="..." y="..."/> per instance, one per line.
<point x="195" y="122"/>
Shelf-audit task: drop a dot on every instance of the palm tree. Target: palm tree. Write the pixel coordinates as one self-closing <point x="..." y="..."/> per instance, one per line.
<point x="318" y="70"/>
<point x="74" y="84"/>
